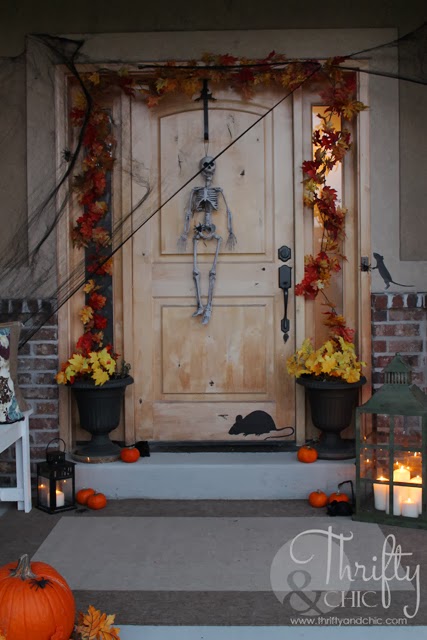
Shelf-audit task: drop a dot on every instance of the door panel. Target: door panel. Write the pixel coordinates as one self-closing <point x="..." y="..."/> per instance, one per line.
<point x="192" y="380"/>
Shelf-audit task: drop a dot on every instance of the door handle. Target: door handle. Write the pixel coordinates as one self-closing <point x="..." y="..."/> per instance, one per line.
<point x="285" y="283"/>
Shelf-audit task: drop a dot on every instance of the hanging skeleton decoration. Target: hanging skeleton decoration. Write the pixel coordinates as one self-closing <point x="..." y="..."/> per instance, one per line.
<point x="205" y="199"/>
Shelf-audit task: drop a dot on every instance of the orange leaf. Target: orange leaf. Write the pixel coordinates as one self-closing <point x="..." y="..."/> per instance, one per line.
<point x="95" y="625"/>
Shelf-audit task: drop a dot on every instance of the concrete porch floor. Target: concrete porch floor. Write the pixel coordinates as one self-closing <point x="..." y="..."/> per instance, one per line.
<point x="217" y="476"/>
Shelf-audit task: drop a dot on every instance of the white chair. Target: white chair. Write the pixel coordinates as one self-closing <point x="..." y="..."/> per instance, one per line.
<point x="18" y="433"/>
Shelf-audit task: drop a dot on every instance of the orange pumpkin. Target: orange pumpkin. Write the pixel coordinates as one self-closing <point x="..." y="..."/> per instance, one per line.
<point x="83" y="495"/>
<point x="97" y="501"/>
<point x="307" y="454"/>
<point x="129" y="454"/>
<point x="338" y="497"/>
<point x="40" y="601"/>
<point x="318" y="498"/>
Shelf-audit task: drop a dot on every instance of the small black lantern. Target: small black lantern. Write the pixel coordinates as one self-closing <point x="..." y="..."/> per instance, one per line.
<point x="391" y="452"/>
<point x="55" y="482"/>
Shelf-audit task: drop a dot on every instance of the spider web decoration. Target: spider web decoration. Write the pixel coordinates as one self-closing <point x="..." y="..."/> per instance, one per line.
<point x="31" y="238"/>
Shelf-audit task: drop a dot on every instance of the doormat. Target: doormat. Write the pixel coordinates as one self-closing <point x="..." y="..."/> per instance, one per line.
<point x="222" y="563"/>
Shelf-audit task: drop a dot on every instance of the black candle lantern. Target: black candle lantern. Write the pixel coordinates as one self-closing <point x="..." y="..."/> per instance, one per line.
<point x="391" y="462"/>
<point x="55" y="482"/>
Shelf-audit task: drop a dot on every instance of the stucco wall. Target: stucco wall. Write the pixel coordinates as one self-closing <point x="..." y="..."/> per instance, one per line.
<point x="397" y="233"/>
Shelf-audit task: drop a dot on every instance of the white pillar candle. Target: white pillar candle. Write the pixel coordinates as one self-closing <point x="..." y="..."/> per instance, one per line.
<point x="409" y="508"/>
<point x="60" y="498"/>
<point x="416" y="494"/>
<point x="399" y="493"/>
<point x="381" y="489"/>
<point x="401" y="475"/>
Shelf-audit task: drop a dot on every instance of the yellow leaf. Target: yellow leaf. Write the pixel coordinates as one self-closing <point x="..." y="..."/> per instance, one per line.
<point x="90" y="286"/>
<point x="86" y="314"/>
<point x="100" y="376"/>
<point x="78" y="362"/>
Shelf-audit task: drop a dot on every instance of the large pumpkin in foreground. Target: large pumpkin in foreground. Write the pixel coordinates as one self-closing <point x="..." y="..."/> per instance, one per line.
<point x="36" y="603"/>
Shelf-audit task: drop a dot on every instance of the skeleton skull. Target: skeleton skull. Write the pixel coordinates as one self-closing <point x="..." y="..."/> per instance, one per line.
<point x="208" y="166"/>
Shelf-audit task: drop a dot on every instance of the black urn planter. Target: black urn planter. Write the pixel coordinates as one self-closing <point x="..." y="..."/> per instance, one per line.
<point x="99" y="410"/>
<point x="332" y="404"/>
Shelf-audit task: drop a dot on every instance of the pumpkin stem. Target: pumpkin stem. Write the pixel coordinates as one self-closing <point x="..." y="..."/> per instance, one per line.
<point x="23" y="570"/>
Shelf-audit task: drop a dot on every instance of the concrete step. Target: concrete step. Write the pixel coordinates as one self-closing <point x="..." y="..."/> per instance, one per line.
<point x="216" y="476"/>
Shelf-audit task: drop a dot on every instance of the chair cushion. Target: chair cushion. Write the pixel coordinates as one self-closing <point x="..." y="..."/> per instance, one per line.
<point x="10" y="406"/>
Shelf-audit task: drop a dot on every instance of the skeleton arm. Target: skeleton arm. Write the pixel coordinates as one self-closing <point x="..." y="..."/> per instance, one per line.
<point x="231" y="240"/>
<point x="182" y="240"/>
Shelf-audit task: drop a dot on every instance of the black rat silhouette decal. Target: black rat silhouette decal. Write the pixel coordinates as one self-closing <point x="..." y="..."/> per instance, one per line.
<point x="257" y="423"/>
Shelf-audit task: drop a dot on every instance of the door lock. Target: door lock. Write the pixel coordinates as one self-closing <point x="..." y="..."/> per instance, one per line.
<point x="285" y="283"/>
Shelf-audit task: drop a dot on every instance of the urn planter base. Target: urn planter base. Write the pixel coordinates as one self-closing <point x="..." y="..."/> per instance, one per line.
<point x="332" y="405"/>
<point x="99" y="410"/>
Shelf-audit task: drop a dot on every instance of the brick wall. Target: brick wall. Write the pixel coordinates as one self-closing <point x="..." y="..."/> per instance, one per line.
<point x="399" y="324"/>
<point x="37" y="365"/>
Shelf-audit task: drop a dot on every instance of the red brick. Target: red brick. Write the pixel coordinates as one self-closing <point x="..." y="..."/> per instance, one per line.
<point x="44" y="349"/>
<point x="397" y="302"/>
<point x="43" y="423"/>
<point x="38" y="392"/>
<point x="43" y="437"/>
<point x="379" y="316"/>
<point x="406" y="314"/>
<point x="405" y="346"/>
<point x="45" y="333"/>
<point x="379" y="301"/>
<point x="398" y="329"/>
<point x="379" y="346"/>
<point x="46" y="408"/>
<point x="24" y="378"/>
<point x="45" y="379"/>
<point x="39" y="364"/>
<point x="380" y="362"/>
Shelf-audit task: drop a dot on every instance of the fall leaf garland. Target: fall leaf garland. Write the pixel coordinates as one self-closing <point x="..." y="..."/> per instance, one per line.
<point x="153" y="83"/>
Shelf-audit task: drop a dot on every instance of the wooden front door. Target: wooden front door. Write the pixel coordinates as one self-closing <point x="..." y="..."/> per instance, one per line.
<point x="192" y="380"/>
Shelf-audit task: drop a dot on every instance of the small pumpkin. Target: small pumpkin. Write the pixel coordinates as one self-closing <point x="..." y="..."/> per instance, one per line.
<point x="338" y="496"/>
<point x="83" y="495"/>
<point x="129" y="454"/>
<point x="318" y="498"/>
<point x="34" y="596"/>
<point x="307" y="454"/>
<point x="96" y="501"/>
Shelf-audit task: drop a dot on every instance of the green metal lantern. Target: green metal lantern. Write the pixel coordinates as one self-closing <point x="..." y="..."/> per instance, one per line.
<point x="391" y="452"/>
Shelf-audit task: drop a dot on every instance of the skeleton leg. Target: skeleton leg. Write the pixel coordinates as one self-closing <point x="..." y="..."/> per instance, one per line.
<point x="196" y="276"/>
<point x="212" y="278"/>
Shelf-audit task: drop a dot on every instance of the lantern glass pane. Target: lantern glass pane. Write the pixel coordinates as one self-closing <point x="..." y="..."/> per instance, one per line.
<point x="66" y="488"/>
<point x="408" y="431"/>
<point x="43" y="491"/>
<point x="380" y="463"/>
<point x="367" y="463"/>
<point x="374" y="428"/>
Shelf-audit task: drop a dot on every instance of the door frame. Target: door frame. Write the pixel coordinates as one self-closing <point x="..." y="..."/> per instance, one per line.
<point x="68" y="325"/>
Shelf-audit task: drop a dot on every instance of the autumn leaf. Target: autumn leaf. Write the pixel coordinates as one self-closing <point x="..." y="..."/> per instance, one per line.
<point x="153" y="101"/>
<point x="2" y="637"/>
<point x="86" y="314"/>
<point x="90" y="286"/>
<point x="94" y="78"/>
<point x="95" y="625"/>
